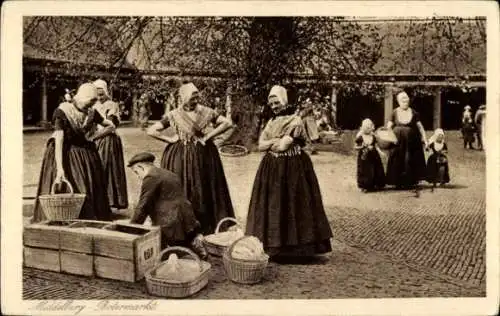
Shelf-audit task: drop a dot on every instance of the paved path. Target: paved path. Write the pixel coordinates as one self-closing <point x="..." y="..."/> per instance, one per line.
<point x="441" y="234"/>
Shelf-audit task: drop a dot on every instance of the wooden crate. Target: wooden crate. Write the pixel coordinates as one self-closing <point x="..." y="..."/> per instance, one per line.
<point x="77" y="246"/>
<point x="44" y="234"/>
<point x="116" y="269"/>
<point x="79" y="236"/>
<point x="41" y="258"/>
<point x="126" y="251"/>
<point x="77" y="263"/>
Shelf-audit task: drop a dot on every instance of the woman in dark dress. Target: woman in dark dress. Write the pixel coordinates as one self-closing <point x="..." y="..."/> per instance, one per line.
<point x="370" y="172"/>
<point x="110" y="148"/>
<point x="71" y="156"/>
<point x="438" y="159"/>
<point x="406" y="164"/>
<point x="286" y="209"/>
<point x="192" y="155"/>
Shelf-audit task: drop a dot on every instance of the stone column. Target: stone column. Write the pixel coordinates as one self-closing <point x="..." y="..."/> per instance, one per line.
<point x="436" y="123"/>
<point x="44" y="114"/>
<point x="388" y="102"/>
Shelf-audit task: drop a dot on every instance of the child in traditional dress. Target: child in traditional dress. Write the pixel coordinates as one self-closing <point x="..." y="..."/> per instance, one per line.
<point x="437" y="163"/>
<point x="370" y="171"/>
<point x="468" y="128"/>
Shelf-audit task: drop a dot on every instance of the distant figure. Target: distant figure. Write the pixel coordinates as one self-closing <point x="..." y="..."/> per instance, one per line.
<point x="480" y="121"/>
<point x="144" y="112"/>
<point x="306" y="113"/>
<point x="468" y="130"/>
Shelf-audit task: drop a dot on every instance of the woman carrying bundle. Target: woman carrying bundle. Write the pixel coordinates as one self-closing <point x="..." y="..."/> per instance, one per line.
<point x="286" y="210"/>
<point x="110" y="148"/>
<point x="192" y="155"/>
<point x="406" y="164"/>
<point x="71" y="155"/>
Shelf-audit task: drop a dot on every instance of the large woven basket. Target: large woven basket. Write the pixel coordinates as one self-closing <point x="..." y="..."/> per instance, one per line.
<point x="213" y="248"/>
<point x="62" y="206"/>
<point x="244" y="271"/>
<point x="177" y="289"/>
<point x="386" y="139"/>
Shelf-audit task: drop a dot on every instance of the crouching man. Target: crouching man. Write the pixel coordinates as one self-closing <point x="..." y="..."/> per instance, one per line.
<point x="162" y="199"/>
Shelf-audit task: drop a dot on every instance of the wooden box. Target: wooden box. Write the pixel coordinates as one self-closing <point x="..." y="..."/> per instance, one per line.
<point x="77" y="263"/>
<point x="41" y="258"/>
<point x="79" y="236"/>
<point x="44" y="234"/>
<point x="77" y="246"/>
<point x="126" y="251"/>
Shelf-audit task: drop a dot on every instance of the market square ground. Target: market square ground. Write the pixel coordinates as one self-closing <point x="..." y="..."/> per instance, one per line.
<point x="386" y="244"/>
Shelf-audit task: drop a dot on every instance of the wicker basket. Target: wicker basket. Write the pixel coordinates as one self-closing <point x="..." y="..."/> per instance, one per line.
<point x="62" y="206"/>
<point x="386" y="138"/>
<point x="177" y="289"/>
<point x="216" y="249"/>
<point x="233" y="150"/>
<point x="244" y="271"/>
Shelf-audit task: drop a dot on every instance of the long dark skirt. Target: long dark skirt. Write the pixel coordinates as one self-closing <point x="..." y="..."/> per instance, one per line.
<point x="110" y="150"/>
<point x="286" y="209"/>
<point x="436" y="161"/>
<point x="370" y="172"/>
<point x="204" y="181"/>
<point x="406" y="164"/>
<point x="83" y="169"/>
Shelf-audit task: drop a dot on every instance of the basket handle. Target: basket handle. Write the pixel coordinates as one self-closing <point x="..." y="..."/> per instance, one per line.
<point x="225" y="220"/>
<point x="53" y="189"/>
<point x="182" y="249"/>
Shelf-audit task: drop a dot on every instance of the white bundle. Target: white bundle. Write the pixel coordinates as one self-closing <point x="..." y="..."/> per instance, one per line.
<point x="249" y="248"/>
<point x="225" y="238"/>
<point x="176" y="269"/>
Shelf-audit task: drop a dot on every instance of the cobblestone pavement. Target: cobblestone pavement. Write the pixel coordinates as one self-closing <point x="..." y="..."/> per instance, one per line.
<point x="436" y="241"/>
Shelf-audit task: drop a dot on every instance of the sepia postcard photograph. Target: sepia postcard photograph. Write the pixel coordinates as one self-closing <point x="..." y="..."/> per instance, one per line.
<point x="250" y="158"/>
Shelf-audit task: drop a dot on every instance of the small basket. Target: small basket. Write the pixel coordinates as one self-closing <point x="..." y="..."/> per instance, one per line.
<point x="62" y="206"/>
<point x="386" y="139"/>
<point x="244" y="271"/>
<point x="216" y="249"/>
<point x="177" y="289"/>
<point x="233" y="150"/>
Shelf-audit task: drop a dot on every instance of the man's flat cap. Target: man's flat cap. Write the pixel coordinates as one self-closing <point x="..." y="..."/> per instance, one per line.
<point x="141" y="157"/>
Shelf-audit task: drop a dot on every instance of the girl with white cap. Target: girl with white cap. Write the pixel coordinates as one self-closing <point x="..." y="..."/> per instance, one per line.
<point x="437" y="163"/>
<point x="370" y="172"/>
<point x="192" y="155"/>
<point x="110" y="148"/>
<point x="286" y="209"/>
<point x="71" y="157"/>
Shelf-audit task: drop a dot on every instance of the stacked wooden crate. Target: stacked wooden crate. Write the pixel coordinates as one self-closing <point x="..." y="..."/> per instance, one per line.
<point x="92" y="248"/>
